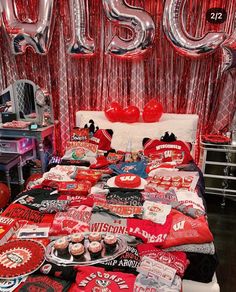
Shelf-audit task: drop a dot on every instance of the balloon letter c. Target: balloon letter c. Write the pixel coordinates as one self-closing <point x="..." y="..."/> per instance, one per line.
<point x="184" y="43"/>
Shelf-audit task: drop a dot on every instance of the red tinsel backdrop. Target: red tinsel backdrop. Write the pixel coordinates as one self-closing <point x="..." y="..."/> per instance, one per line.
<point x="181" y="84"/>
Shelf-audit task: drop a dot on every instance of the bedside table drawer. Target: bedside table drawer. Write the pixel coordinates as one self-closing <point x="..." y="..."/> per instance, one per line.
<point x="215" y="160"/>
<point x="217" y="169"/>
<point x="215" y="182"/>
<point x="220" y="156"/>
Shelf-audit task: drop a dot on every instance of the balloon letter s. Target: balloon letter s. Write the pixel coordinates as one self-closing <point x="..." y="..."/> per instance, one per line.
<point x="136" y="19"/>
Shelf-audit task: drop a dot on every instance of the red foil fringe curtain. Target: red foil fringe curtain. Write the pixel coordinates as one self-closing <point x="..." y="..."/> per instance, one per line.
<point x="181" y="84"/>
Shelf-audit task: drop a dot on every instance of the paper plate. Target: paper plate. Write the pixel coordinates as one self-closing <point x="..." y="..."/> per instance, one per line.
<point x="111" y="183"/>
<point x="20" y="258"/>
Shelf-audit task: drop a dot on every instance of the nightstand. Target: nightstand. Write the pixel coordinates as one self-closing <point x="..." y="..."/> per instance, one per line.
<point x="39" y="134"/>
<point x="218" y="164"/>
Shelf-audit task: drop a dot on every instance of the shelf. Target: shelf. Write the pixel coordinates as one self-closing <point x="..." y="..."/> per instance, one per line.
<point x="220" y="163"/>
<point x="215" y="158"/>
<point x="221" y="191"/>
<point x="220" y="176"/>
<point x="218" y="189"/>
<point x="217" y="145"/>
<point x="220" y="150"/>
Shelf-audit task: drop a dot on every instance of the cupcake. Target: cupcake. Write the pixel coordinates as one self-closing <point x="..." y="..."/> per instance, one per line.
<point x="156" y="179"/>
<point x="165" y="186"/>
<point x="188" y="179"/>
<point x="61" y="246"/>
<point x="95" y="236"/>
<point x="95" y="249"/>
<point x="77" y="238"/>
<point x="177" y="179"/>
<point x="186" y="185"/>
<point x="177" y="184"/>
<point x="166" y="178"/>
<point x="77" y="250"/>
<point x="110" y="242"/>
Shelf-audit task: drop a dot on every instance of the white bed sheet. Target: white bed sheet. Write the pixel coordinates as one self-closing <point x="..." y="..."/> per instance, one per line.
<point x="183" y="126"/>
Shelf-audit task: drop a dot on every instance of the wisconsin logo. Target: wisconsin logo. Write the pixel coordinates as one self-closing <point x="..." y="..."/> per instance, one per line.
<point x="102" y="286"/>
<point x="179" y="225"/>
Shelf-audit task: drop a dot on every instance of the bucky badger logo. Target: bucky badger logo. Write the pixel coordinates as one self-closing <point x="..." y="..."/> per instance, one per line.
<point x="102" y="286"/>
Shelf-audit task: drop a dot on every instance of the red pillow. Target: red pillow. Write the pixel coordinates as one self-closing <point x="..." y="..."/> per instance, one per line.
<point x="186" y="230"/>
<point x="176" y="151"/>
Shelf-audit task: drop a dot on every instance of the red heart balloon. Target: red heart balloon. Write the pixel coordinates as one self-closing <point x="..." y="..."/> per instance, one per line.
<point x="152" y="112"/>
<point x="131" y="114"/>
<point x="114" y="112"/>
<point x="154" y="104"/>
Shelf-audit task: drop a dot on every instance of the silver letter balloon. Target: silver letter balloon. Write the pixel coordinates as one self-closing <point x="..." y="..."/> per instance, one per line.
<point x="185" y="44"/>
<point x="229" y="53"/>
<point x="137" y="20"/>
<point x="82" y="43"/>
<point x="23" y="34"/>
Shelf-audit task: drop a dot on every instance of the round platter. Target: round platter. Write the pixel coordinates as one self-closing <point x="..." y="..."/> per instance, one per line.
<point x="69" y="260"/>
<point x="216" y="139"/>
<point x="20" y="258"/>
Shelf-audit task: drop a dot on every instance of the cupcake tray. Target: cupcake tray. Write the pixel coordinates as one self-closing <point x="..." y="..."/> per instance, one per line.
<point x="86" y="259"/>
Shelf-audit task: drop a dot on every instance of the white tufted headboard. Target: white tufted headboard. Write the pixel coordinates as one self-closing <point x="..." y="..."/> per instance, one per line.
<point x="184" y="126"/>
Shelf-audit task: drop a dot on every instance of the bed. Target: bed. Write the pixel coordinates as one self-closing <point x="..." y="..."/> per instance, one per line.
<point x="124" y="136"/>
<point x="184" y="126"/>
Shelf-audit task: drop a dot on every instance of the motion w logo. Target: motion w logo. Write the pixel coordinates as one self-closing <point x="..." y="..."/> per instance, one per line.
<point x="179" y="225"/>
